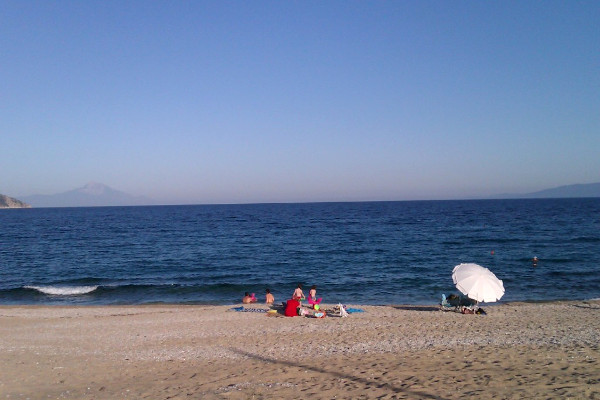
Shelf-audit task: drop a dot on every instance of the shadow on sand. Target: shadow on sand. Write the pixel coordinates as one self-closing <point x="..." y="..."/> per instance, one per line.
<point x="367" y="383"/>
<point x="417" y="308"/>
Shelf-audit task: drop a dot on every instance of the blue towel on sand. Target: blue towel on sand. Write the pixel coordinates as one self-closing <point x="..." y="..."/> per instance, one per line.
<point x="354" y="310"/>
<point x="242" y="309"/>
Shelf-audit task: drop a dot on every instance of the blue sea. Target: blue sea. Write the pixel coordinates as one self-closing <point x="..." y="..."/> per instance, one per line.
<point x="356" y="253"/>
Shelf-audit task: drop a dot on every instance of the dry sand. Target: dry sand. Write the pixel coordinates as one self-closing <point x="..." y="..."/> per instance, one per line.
<point x="516" y="351"/>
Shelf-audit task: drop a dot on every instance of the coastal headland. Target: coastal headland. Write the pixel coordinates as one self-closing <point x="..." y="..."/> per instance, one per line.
<point x="517" y="350"/>
<point x="10" y="202"/>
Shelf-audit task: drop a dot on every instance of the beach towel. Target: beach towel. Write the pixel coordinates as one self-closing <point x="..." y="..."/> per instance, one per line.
<point x="354" y="310"/>
<point x="242" y="309"/>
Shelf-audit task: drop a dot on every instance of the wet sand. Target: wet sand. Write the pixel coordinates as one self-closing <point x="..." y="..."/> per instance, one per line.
<point x="518" y="350"/>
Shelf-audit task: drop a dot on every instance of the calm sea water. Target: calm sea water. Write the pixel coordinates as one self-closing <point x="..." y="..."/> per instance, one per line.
<point x="357" y="253"/>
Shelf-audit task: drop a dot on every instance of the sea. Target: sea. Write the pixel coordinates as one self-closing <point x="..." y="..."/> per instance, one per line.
<point x="369" y="253"/>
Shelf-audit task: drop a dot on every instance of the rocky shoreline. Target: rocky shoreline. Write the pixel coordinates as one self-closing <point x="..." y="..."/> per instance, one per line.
<point x="10" y="202"/>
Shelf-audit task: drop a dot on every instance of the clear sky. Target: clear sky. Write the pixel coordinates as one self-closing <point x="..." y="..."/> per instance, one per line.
<point x="293" y="101"/>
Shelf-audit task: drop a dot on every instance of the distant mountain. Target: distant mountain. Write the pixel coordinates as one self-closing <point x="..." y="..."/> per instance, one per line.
<point x="578" y="190"/>
<point x="91" y="195"/>
<point x="9" y="202"/>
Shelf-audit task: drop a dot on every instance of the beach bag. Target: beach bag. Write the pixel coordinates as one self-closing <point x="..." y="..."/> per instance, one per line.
<point x="291" y="308"/>
<point x="343" y="312"/>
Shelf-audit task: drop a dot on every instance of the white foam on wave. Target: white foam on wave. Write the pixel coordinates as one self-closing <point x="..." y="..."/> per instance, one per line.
<point x="63" y="290"/>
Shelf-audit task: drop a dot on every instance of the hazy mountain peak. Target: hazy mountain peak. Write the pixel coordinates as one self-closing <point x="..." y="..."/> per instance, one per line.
<point x="93" y="194"/>
<point x="94" y="188"/>
<point x="576" y="190"/>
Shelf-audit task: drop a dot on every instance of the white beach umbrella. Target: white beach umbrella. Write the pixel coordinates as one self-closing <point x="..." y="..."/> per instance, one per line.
<point x="477" y="282"/>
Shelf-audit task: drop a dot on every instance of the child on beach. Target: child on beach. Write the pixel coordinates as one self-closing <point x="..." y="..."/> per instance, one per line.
<point x="312" y="297"/>
<point x="269" y="297"/>
<point x="249" y="299"/>
<point x="298" y="293"/>
<point x="312" y="294"/>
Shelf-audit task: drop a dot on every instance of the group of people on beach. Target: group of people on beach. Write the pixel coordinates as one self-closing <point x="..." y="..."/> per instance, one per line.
<point x="251" y="297"/>
<point x="298" y="296"/>
<point x="312" y="295"/>
<point x="294" y="307"/>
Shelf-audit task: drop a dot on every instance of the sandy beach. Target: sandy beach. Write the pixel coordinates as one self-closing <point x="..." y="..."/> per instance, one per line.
<point x="519" y="350"/>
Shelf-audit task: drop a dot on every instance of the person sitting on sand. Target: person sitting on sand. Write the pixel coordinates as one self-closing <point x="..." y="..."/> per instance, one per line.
<point x="249" y="299"/>
<point x="298" y="293"/>
<point x="454" y="300"/>
<point x="269" y="297"/>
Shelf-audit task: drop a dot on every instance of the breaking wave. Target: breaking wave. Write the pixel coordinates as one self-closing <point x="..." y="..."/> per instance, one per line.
<point x="63" y="290"/>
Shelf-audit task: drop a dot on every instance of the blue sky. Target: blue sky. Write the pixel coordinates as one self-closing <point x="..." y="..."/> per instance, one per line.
<point x="236" y="101"/>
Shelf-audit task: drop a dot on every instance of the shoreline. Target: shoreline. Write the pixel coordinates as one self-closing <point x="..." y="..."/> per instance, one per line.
<point x="261" y="303"/>
<point x="264" y="305"/>
<point x="517" y="350"/>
